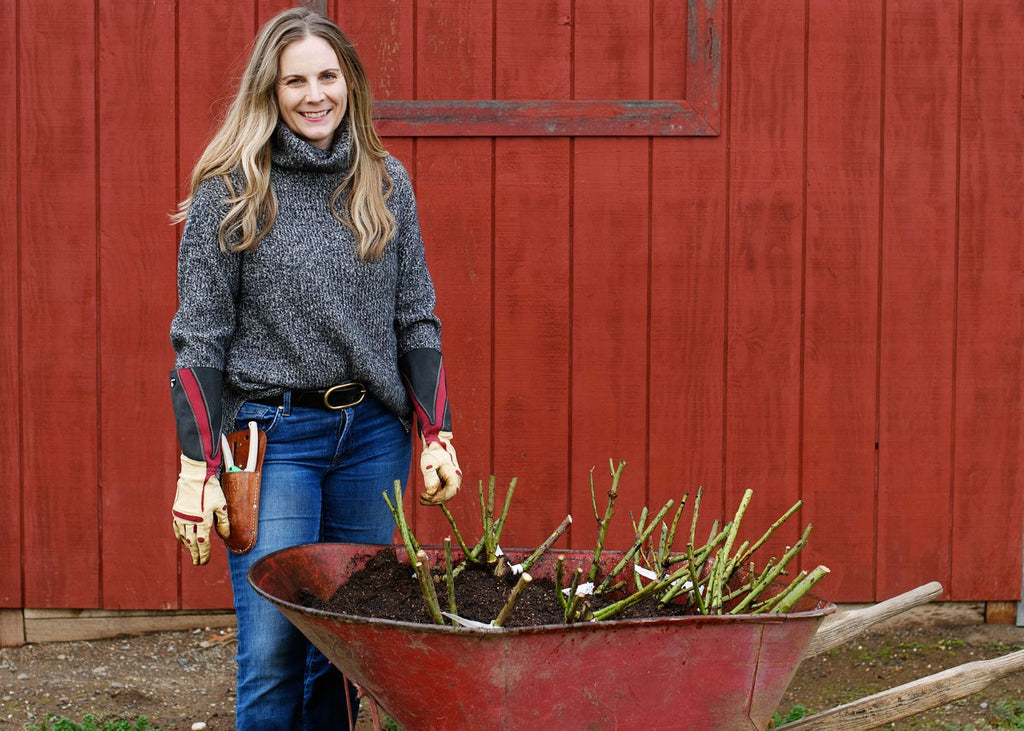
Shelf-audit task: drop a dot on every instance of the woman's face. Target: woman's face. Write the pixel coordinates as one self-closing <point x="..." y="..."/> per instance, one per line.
<point x="311" y="92"/>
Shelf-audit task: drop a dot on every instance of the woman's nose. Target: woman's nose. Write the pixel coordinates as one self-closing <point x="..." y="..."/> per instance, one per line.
<point x="315" y="92"/>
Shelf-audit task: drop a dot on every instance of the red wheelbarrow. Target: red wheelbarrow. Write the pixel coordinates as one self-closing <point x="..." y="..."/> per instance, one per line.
<point x="696" y="672"/>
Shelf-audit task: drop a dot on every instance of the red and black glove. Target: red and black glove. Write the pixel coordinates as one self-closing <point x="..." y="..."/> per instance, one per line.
<point x="199" y="502"/>
<point x="422" y="370"/>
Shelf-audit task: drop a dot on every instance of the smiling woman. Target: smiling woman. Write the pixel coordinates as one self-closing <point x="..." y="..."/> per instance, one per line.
<point x="306" y="311"/>
<point x="311" y="91"/>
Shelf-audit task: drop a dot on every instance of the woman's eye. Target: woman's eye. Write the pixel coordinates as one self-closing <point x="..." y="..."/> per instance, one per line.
<point x="293" y="82"/>
<point x="330" y="76"/>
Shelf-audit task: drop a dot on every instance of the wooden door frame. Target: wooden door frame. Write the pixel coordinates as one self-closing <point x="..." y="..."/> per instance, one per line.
<point x="695" y="116"/>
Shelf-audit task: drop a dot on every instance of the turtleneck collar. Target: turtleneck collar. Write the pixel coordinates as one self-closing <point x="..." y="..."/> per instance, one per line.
<point x="288" y="150"/>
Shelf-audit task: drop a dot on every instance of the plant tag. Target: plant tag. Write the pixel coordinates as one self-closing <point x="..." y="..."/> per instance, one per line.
<point x="646" y="573"/>
<point x="468" y="622"/>
<point x="581" y="590"/>
<point x="517" y="568"/>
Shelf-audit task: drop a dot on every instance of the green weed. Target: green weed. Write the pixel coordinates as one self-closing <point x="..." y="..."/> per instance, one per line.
<point x="795" y="714"/>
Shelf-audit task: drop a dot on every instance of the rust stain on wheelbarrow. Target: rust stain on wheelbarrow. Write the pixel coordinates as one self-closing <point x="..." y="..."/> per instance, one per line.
<point x="693" y="672"/>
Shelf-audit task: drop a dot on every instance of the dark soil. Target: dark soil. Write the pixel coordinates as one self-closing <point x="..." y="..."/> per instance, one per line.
<point x="386" y="588"/>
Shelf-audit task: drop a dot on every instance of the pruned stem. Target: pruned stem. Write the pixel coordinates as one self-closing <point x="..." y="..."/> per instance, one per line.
<point x="802" y="587"/>
<point x="500" y="525"/>
<point x="487" y="519"/>
<point x="398" y="513"/>
<point x="574" y="596"/>
<point x="694" y="568"/>
<point x="719" y="573"/>
<point x="772" y="572"/>
<point x="615" y="608"/>
<point x="513" y="597"/>
<point x="455" y="529"/>
<point x="632" y="551"/>
<point x="421" y="564"/>
<point x="609" y="511"/>
<point x="768" y="533"/>
<point x="548" y="542"/>
<point x="559" y="582"/>
<point x="449" y="576"/>
<point x="696" y="512"/>
<point x="770" y="604"/>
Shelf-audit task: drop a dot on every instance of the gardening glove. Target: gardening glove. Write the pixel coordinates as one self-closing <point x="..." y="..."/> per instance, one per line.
<point x="199" y="505"/>
<point x="440" y="467"/>
<point x="422" y="371"/>
<point x="199" y="501"/>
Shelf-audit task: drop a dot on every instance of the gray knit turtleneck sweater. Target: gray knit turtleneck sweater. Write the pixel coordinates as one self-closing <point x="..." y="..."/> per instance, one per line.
<point x="301" y="311"/>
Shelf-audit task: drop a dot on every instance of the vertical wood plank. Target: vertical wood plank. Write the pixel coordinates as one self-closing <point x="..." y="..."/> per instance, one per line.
<point x="687" y="292"/>
<point x="267" y="9"/>
<point x="58" y="274"/>
<point x="382" y="32"/>
<point x="213" y="45"/>
<point x="455" y="177"/>
<point x="841" y="321"/>
<point x="531" y="276"/>
<point x="765" y="263"/>
<point x="137" y="189"/>
<point x="10" y="315"/>
<point x="610" y="269"/>
<point x="987" y="499"/>
<point x="918" y="278"/>
<point x="210" y="36"/>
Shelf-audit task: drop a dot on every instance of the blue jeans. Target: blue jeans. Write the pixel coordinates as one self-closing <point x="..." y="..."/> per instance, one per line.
<point x="323" y="475"/>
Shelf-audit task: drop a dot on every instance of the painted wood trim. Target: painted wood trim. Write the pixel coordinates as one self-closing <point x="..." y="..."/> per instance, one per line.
<point x="697" y="115"/>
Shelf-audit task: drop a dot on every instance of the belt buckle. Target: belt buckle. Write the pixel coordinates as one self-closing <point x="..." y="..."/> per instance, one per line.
<point x="342" y="387"/>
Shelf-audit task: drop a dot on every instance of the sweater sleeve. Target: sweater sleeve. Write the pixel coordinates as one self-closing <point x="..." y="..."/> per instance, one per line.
<point x="208" y="278"/>
<point x="416" y="325"/>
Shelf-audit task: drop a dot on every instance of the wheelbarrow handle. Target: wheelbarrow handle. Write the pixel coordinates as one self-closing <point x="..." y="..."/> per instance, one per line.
<point x="914" y="697"/>
<point x="839" y="628"/>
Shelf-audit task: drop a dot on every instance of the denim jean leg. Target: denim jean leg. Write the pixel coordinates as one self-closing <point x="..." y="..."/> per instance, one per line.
<point x="372" y="452"/>
<point x="272" y="654"/>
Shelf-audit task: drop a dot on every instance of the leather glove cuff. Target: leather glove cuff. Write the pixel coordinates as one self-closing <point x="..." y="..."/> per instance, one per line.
<point x="196" y="398"/>
<point x="423" y="373"/>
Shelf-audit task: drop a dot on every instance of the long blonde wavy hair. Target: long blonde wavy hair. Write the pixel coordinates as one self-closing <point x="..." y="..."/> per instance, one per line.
<point x="242" y="145"/>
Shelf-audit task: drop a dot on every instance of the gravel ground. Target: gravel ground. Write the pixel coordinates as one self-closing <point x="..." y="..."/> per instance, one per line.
<point x="172" y="678"/>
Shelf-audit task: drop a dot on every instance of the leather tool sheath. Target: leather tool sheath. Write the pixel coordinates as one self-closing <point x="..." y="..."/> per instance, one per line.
<point x="242" y="491"/>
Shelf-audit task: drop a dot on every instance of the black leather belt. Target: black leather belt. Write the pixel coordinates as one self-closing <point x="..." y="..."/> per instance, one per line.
<point x="342" y="396"/>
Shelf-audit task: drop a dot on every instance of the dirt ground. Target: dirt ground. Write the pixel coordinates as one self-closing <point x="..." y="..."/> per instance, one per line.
<point x="176" y="679"/>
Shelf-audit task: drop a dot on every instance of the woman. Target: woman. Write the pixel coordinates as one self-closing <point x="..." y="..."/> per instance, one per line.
<point x="305" y="305"/>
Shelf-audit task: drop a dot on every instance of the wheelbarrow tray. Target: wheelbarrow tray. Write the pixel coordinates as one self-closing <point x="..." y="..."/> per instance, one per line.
<point x="699" y="672"/>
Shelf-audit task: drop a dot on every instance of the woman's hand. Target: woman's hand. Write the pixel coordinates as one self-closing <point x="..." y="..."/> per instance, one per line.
<point x="199" y="505"/>
<point x="441" y="474"/>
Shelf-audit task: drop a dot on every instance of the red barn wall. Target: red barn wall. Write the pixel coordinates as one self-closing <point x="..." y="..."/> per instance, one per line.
<point x="811" y="288"/>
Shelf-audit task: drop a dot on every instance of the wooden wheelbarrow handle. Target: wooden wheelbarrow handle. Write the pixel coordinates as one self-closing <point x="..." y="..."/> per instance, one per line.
<point x="914" y="697"/>
<point x="839" y="628"/>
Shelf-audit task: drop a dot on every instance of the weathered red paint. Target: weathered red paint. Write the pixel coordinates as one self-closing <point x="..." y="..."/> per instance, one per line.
<point x="463" y="118"/>
<point x="716" y="672"/>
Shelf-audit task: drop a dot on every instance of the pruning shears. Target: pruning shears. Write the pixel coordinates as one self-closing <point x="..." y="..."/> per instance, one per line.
<point x="229" y="460"/>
